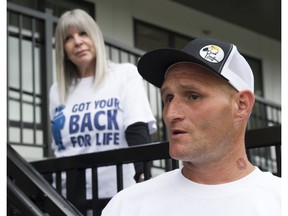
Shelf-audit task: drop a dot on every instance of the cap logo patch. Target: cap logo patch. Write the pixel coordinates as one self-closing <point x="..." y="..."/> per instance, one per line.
<point x="212" y="53"/>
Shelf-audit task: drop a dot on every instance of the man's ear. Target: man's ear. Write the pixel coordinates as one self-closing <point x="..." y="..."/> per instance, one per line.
<point x="245" y="102"/>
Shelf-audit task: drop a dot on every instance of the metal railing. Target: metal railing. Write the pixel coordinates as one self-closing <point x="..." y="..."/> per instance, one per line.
<point x="29" y="76"/>
<point x="75" y="167"/>
<point x="34" y="194"/>
<point x="265" y="114"/>
<point x="28" y="193"/>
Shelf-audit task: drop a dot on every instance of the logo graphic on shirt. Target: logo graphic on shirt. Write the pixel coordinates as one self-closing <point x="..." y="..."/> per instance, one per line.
<point x="58" y="123"/>
<point x="212" y="53"/>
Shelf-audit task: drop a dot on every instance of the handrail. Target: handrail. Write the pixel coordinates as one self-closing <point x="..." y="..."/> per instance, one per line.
<point x="39" y="181"/>
<point x="22" y="200"/>
<point x="268" y="102"/>
<point x="128" y="49"/>
<point x="264" y="137"/>
<point x="28" y="11"/>
<point x="157" y="150"/>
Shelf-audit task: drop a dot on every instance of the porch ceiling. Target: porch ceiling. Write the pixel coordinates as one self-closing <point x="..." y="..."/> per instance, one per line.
<point x="261" y="16"/>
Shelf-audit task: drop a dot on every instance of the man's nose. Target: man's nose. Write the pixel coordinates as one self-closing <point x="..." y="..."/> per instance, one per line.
<point x="174" y="111"/>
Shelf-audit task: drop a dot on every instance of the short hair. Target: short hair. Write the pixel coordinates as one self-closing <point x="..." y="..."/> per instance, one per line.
<point x="66" y="71"/>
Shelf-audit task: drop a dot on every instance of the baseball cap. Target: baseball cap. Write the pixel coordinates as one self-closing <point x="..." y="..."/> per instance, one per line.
<point x="219" y="57"/>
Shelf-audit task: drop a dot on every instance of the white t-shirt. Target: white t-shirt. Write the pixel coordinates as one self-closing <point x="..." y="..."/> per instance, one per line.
<point x="171" y="194"/>
<point x="95" y="120"/>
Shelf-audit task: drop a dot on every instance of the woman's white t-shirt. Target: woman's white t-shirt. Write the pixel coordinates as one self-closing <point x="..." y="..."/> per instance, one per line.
<point x="94" y="120"/>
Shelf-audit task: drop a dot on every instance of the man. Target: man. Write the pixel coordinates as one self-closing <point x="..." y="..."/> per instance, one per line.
<point x="207" y="90"/>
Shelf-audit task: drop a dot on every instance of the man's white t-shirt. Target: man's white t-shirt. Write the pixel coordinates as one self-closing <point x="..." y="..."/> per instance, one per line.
<point x="95" y="120"/>
<point x="171" y="194"/>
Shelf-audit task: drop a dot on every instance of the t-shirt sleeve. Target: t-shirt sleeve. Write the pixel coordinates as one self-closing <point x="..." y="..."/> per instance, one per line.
<point x="113" y="207"/>
<point x="137" y="107"/>
<point x="54" y="100"/>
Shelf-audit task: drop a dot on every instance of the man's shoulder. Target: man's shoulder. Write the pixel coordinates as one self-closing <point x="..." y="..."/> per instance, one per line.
<point x="267" y="176"/>
<point x="267" y="181"/>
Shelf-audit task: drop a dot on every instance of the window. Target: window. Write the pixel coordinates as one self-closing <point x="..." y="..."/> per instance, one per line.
<point x="148" y="37"/>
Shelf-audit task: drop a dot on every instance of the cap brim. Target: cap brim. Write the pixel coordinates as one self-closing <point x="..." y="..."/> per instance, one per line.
<point x="153" y="65"/>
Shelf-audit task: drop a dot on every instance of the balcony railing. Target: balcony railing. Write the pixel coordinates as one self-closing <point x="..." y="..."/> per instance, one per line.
<point x="43" y="197"/>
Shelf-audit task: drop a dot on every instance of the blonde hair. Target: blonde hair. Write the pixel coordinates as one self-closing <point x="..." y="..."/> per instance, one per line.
<point x="66" y="71"/>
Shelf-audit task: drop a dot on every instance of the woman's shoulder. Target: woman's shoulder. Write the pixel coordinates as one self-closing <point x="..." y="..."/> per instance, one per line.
<point x="125" y="72"/>
<point x="54" y="93"/>
<point x="123" y="68"/>
<point x="54" y="88"/>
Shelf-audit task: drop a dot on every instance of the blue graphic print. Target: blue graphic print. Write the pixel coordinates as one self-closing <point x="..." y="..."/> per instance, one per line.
<point x="58" y="123"/>
<point x="88" y="124"/>
<point x="87" y="128"/>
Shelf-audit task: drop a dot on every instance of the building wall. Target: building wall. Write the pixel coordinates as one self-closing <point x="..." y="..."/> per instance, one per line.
<point x="116" y="20"/>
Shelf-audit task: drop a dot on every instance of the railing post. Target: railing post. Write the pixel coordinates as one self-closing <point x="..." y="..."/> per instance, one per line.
<point x="47" y="81"/>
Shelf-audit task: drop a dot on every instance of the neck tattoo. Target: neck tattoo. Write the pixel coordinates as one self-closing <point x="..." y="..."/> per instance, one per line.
<point x="241" y="164"/>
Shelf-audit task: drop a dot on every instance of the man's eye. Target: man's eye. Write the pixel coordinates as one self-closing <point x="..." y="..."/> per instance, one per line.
<point x="168" y="99"/>
<point x="194" y="97"/>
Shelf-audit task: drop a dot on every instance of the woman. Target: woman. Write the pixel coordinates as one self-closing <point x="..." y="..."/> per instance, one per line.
<point x="96" y="105"/>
